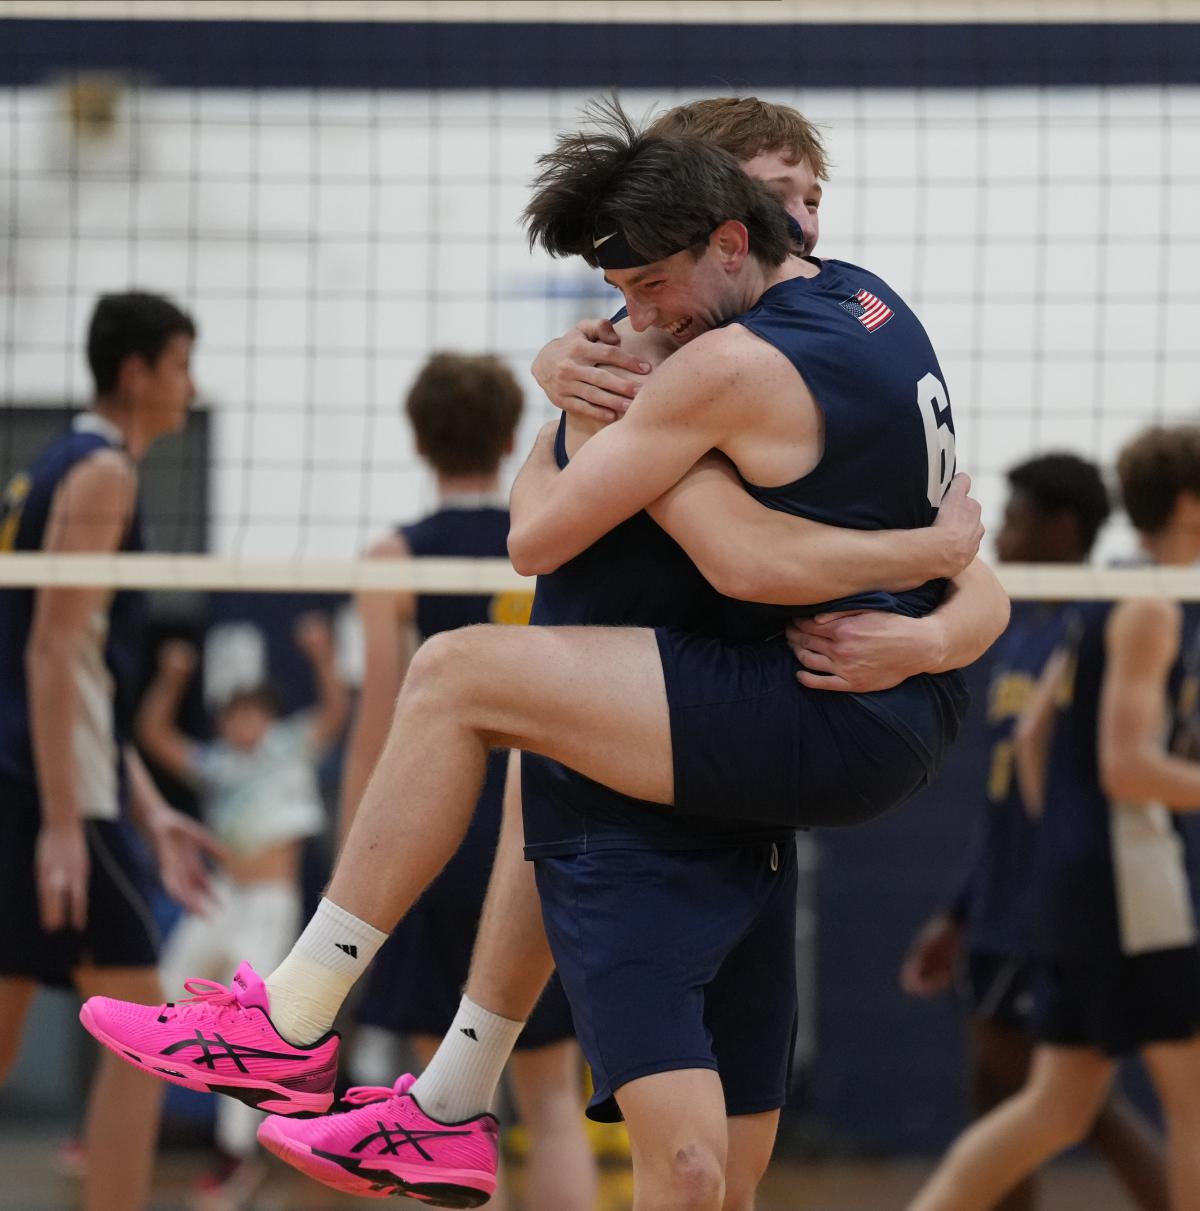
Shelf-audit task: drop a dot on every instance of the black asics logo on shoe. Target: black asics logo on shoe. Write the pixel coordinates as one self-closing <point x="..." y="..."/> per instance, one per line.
<point x="349" y="949"/>
<point x="216" y="1048"/>
<point x="469" y="1033"/>
<point x="394" y="1136"/>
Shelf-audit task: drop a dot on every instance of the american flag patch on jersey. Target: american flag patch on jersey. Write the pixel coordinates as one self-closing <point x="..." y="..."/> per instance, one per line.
<point x="870" y="312"/>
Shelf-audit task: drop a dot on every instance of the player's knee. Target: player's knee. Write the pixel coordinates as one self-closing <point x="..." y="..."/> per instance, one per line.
<point x="1180" y="1104"/>
<point x="438" y="668"/>
<point x="1064" y="1120"/>
<point x="694" y="1180"/>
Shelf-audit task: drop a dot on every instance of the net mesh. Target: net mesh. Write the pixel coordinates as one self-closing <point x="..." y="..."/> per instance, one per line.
<point x="329" y="225"/>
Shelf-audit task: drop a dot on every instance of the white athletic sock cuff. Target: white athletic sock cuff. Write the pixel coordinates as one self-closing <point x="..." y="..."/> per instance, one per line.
<point x="461" y="1079"/>
<point x="339" y="940"/>
<point x="487" y="1024"/>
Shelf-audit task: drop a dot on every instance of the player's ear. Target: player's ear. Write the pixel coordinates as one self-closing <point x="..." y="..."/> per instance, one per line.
<point x="1186" y="514"/>
<point x="731" y="242"/>
<point x="131" y="376"/>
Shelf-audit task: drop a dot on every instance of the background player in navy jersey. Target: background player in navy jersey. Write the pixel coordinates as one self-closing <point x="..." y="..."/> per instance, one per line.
<point x="1056" y="506"/>
<point x="1106" y="752"/>
<point x="74" y="898"/>
<point x="464" y="411"/>
<point x="595" y="698"/>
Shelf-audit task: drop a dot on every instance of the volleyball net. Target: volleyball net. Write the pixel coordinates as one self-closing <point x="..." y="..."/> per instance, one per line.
<point x="333" y="191"/>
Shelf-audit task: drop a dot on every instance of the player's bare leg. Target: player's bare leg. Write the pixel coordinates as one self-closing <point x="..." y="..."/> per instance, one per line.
<point x="1066" y="1088"/>
<point x="1133" y="1150"/>
<point x="678" y="1136"/>
<point x="16" y="996"/>
<point x="560" y="1170"/>
<point x="999" y="1058"/>
<point x="1175" y="1068"/>
<point x="591" y="697"/>
<point x="751" y="1142"/>
<point x="121" y="1125"/>
<point x="511" y="961"/>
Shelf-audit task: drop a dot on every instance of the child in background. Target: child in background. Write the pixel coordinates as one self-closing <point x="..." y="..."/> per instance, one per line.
<point x="259" y="788"/>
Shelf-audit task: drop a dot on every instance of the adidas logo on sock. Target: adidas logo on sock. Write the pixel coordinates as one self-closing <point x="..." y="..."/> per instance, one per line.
<point x="469" y="1033"/>
<point x="351" y="950"/>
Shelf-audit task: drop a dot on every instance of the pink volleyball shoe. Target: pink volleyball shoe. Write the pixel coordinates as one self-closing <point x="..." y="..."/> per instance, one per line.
<point x="220" y="1040"/>
<point x="390" y="1146"/>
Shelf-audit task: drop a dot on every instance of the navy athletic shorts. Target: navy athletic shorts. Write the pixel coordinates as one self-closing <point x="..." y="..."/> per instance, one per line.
<point x="120" y="929"/>
<point x="1121" y="1004"/>
<point x="678" y="959"/>
<point x="417" y="978"/>
<point x="1000" y="988"/>
<point x="744" y="731"/>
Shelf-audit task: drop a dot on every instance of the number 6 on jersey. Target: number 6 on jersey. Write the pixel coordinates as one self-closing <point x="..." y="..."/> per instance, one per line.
<point x="939" y="436"/>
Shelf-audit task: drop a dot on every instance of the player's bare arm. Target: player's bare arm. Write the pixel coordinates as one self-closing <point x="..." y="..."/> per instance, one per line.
<point x="1142" y="643"/>
<point x="182" y="846"/>
<point x="388" y="646"/>
<point x="870" y="650"/>
<point x="90" y="513"/>
<point x="743" y="548"/>
<point x="156" y="727"/>
<point x="754" y="553"/>
<point x="692" y="405"/>
<point x="595" y="370"/>
<point x="315" y="639"/>
<point x="1034" y="732"/>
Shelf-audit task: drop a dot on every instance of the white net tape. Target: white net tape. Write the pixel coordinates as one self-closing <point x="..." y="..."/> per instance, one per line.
<point x="1028" y="582"/>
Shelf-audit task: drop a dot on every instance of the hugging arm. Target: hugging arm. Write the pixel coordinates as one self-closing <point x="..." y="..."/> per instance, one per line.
<point x="753" y="553"/>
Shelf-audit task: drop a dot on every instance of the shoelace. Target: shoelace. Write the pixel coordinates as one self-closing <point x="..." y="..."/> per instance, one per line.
<point x="204" y="992"/>
<point x="364" y="1095"/>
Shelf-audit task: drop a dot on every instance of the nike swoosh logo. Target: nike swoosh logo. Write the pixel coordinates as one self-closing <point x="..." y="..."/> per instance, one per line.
<point x="603" y="239"/>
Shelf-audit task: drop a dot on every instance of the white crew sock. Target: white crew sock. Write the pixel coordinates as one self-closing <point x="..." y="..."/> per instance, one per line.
<point x="307" y="989"/>
<point x="462" y="1077"/>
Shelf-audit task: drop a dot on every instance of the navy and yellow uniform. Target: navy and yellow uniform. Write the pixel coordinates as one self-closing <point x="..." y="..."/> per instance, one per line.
<point x="1115" y="927"/>
<point x="995" y="902"/>
<point x="417" y="978"/>
<point x="120" y="929"/>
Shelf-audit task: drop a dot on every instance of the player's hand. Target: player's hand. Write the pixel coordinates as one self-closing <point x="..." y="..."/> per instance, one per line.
<point x="959" y="524"/>
<point x="181" y="845"/>
<point x="928" y="968"/>
<point x="61" y="865"/>
<point x="571" y="370"/>
<point x="863" y="652"/>
<point x="177" y="659"/>
<point x="314" y="637"/>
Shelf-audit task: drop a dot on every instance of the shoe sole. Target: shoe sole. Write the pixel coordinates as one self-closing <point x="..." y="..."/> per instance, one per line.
<point x="350" y="1176"/>
<point x="263" y="1095"/>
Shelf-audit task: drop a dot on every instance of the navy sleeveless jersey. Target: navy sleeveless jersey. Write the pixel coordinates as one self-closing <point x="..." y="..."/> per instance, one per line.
<point x="888" y="453"/>
<point x="1110" y="879"/>
<point x="997" y="898"/>
<point x="26" y="504"/>
<point x="476" y="528"/>
<point x="635" y="575"/>
<point x="888" y="430"/>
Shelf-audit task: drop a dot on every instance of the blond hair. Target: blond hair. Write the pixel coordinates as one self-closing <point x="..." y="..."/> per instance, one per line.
<point x="746" y="126"/>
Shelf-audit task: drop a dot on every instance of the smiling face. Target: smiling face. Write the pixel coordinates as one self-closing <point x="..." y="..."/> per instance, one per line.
<point x="795" y="185"/>
<point x="684" y="295"/>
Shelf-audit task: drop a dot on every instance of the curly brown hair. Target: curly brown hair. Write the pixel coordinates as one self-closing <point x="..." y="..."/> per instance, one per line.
<point x="746" y="126"/>
<point x="464" y="410"/>
<point x="1154" y="468"/>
